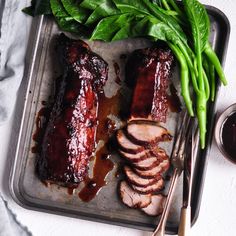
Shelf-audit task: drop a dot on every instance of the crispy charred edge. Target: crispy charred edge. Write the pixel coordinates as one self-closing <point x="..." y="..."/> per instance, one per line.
<point x="70" y="51"/>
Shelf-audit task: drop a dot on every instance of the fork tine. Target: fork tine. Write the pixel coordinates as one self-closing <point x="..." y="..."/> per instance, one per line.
<point x="183" y="124"/>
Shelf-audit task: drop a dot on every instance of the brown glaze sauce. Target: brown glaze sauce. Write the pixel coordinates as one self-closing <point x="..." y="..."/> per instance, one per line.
<point x="173" y="100"/>
<point x="117" y="72"/>
<point x="103" y="165"/>
<point x="107" y="106"/>
<point x="70" y="190"/>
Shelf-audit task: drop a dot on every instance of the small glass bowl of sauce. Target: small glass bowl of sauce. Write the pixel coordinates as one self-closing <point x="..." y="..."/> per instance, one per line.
<point x="225" y="133"/>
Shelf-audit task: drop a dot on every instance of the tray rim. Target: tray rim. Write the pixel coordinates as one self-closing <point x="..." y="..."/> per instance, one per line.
<point x="15" y="192"/>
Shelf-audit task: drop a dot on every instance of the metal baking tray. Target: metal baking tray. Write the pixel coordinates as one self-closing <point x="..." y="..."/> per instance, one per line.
<point x="40" y="72"/>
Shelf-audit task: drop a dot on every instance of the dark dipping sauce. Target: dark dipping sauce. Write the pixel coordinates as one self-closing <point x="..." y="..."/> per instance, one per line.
<point x="229" y="136"/>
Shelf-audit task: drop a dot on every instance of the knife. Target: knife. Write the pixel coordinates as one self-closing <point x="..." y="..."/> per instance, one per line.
<point x="189" y="163"/>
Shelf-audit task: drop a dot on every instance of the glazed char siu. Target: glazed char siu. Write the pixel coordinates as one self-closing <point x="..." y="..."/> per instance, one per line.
<point x="147" y="73"/>
<point x="69" y="139"/>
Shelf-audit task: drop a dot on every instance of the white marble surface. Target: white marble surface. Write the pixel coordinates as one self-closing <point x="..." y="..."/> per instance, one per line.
<point x="218" y="209"/>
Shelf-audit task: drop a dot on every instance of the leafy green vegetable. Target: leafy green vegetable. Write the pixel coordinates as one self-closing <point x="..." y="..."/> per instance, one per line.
<point x="184" y="77"/>
<point x="215" y="61"/>
<point x="200" y="27"/>
<point x="106" y="9"/>
<point x="65" y="21"/>
<point x="73" y="9"/>
<point x="186" y="30"/>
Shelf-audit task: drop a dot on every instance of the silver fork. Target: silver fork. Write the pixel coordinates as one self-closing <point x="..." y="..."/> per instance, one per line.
<point x="177" y="160"/>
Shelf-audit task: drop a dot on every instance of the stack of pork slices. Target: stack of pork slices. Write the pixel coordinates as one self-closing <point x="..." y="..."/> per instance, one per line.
<point x="148" y="73"/>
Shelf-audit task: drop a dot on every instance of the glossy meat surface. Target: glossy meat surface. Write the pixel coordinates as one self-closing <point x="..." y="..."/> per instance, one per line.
<point x="69" y="139"/>
<point x="147" y="72"/>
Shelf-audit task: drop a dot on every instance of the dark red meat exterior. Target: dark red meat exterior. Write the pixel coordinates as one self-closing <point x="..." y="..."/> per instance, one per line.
<point x="69" y="139"/>
<point x="147" y="72"/>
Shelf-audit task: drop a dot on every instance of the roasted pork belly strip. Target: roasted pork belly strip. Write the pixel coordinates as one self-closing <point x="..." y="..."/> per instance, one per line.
<point x="69" y="139"/>
<point x="131" y="198"/>
<point x="147" y="72"/>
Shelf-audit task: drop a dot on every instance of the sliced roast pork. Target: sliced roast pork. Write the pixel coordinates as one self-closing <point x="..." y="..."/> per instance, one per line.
<point x="131" y="198"/>
<point x="126" y="145"/>
<point x="156" y="206"/>
<point x="147" y="133"/>
<point x="147" y="163"/>
<point x="137" y="157"/>
<point x="158" y="155"/>
<point x="147" y="74"/>
<point x="152" y="188"/>
<point x="161" y="168"/>
<point x="135" y="179"/>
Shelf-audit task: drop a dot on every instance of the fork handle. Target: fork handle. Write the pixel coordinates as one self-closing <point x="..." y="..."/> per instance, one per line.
<point x="160" y="230"/>
<point x="185" y="222"/>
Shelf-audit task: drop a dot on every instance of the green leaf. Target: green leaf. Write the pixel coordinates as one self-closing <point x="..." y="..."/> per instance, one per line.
<point x="147" y="8"/>
<point x="65" y="21"/>
<point x="132" y="6"/>
<point x="107" y="8"/>
<point x="117" y="22"/>
<point x="73" y="9"/>
<point x="199" y="21"/>
<point x="129" y="25"/>
<point x="92" y="4"/>
<point x="38" y="7"/>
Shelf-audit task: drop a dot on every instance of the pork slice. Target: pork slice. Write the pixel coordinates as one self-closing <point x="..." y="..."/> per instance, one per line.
<point x="156" y="206"/>
<point x="135" y="179"/>
<point x="147" y="133"/>
<point x="126" y="145"/>
<point x="152" y="188"/>
<point x="157" y="170"/>
<point x="131" y="198"/>
<point x="147" y="164"/>
<point x="158" y="155"/>
<point x="133" y="158"/>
